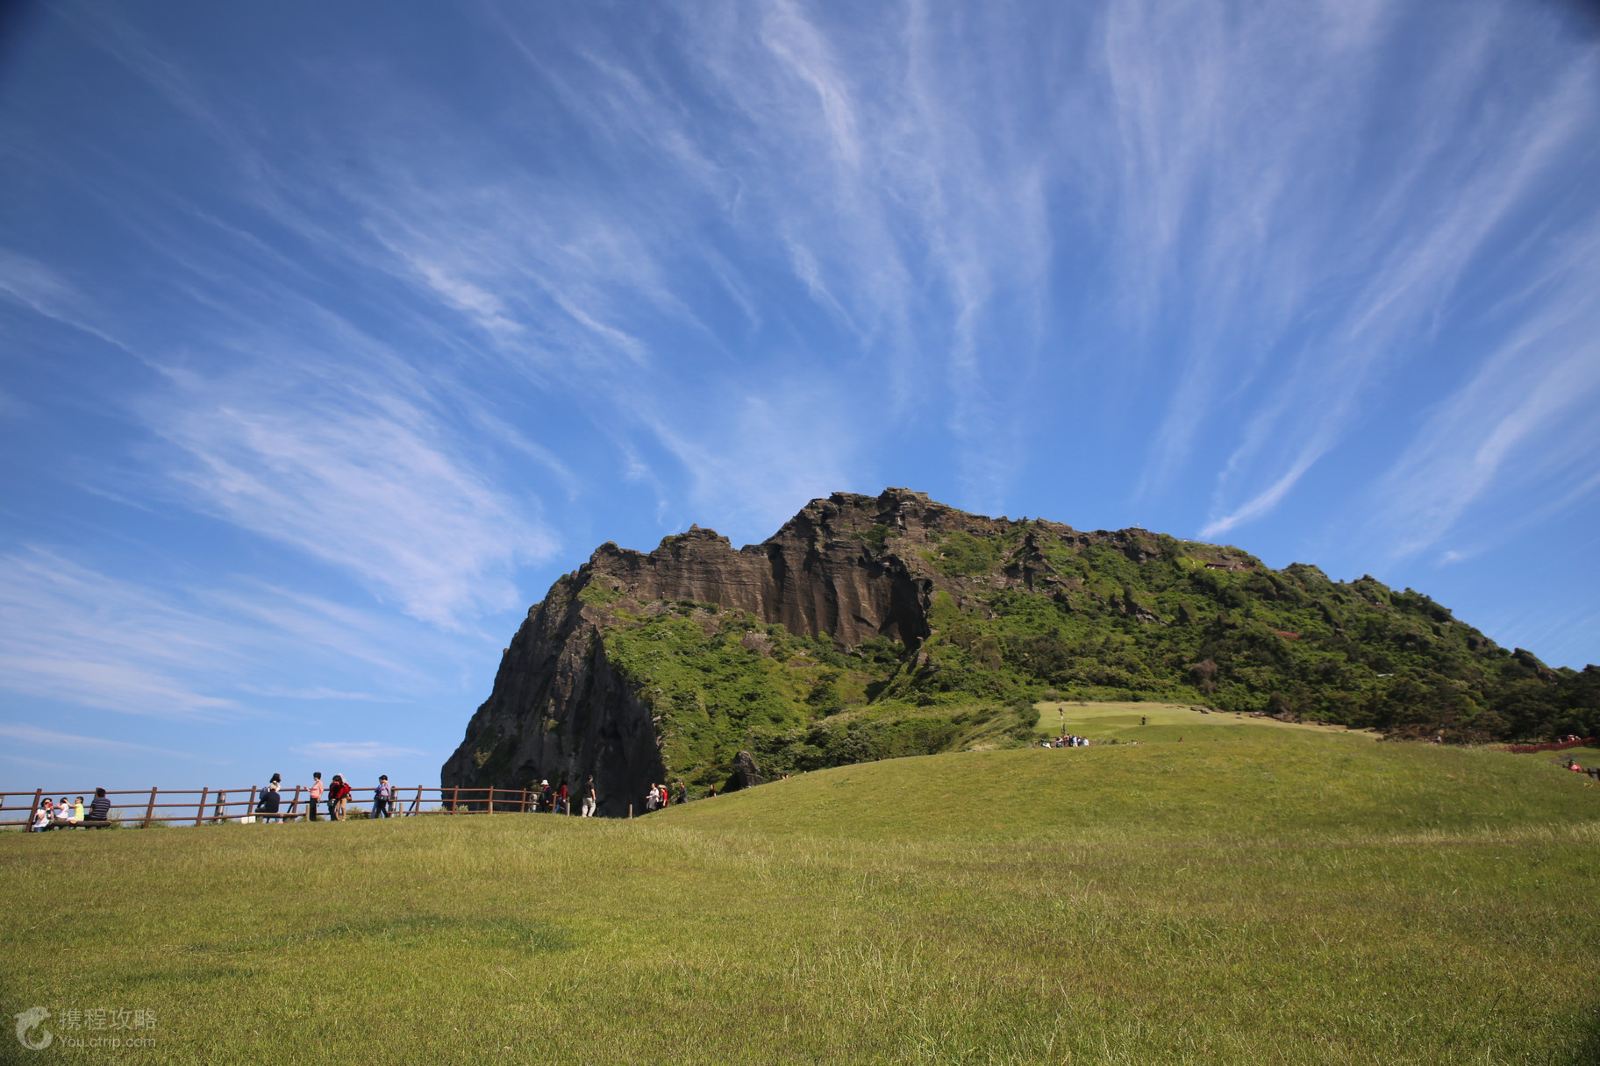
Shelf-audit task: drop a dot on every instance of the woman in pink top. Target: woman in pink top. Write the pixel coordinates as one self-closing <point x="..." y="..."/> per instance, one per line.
<point x="316" y="794"/>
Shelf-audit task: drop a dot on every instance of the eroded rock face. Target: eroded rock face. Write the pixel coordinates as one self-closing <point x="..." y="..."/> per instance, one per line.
<point x="746" y="774"/>
<point x="559" y="711"/>
<point x="808" y="577"/>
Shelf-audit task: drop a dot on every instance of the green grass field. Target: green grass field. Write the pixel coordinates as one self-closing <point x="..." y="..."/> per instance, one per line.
<point x="1225" y="890"/>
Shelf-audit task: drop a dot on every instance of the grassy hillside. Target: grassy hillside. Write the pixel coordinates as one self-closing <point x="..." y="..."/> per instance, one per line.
<point x="1025" y="605"/>
<point x="1209" y="889"/>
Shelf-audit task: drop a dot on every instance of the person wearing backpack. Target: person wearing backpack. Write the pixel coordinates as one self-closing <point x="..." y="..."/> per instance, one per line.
<point x="381" y="797"/>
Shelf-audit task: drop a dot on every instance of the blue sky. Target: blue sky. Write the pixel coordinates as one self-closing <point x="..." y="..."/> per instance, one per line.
<point x="331" y="334"/>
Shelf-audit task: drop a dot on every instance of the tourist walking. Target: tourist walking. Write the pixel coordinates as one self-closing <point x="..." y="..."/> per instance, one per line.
<point x="381" y="796"/>
<point x="590" y="800"/>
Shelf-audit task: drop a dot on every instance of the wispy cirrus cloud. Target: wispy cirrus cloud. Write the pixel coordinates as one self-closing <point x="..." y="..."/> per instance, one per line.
<point x="56" y="740"/>
<point x="1288" y="264"/>
<point x="81" y="637"/>
<point x="354" y="750"/>
<point x="77" y="635"/>
<point x="360" y="478"/>
<point x="1520" y="426"/>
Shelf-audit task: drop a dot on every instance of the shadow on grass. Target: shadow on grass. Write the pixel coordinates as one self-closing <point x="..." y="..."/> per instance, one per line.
<point x="1587" y="1051"/>
<point x="418" y="930"/>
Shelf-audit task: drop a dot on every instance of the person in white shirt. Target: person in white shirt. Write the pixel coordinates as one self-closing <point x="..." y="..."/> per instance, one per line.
<point x="42" y="817"/>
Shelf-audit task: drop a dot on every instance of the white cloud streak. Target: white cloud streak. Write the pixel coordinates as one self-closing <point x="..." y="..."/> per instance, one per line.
<point x="354" y="750"/>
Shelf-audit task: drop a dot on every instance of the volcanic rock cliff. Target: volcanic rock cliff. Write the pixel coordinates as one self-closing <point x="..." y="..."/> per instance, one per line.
<point x="875" y="626"/>
<point x="559" y="710"/>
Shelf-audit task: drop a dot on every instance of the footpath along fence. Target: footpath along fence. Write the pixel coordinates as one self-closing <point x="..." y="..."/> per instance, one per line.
<point x="205" y="806"/>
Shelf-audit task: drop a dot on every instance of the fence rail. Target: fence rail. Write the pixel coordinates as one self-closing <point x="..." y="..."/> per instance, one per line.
<point x="206" y="805"/>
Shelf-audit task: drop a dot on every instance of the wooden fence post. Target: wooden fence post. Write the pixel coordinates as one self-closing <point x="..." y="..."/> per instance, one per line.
<point x="491" y="799"/>
<point x="38" y="797"/>
<point x="523" y="807"/>
<point x="200" y="811"/>
<point x="455" y="792"/>
<point x="294" y="804"/>
<point x="416" y="803"/>
<point x="222" y="804"/>
<point x="630" y="810"/>
<point x="150" y="810"/>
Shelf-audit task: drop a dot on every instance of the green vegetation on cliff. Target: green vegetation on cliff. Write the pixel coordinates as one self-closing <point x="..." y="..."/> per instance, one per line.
<point x="721" y="682"/>
<point x="1018" y="611"/>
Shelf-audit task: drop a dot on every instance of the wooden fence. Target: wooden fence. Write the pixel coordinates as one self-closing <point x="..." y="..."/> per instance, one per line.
<point x="1554" y="745"/>
<point x="203" y="806"/>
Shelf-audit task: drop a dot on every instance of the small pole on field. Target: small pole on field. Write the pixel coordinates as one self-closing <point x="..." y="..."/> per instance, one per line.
<point x="418" y="801"/>
<point x="38" y="796"/>
<point x="200" y="811"/>
<point x="455" y="791"/>
<point x="295" y="803"/>
<point x="491" y="799"/>
<point x="150" y="810"/>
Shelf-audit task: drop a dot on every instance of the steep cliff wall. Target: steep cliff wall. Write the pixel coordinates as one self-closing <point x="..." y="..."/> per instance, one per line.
<point x="558" y="709"/>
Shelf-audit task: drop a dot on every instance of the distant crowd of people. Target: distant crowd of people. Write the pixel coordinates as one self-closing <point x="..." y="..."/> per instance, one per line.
<point x="557" y="799"/>
<point x="63" y="815"/>
<point x="335" y="794"/>
<point x="1065" y="740"/>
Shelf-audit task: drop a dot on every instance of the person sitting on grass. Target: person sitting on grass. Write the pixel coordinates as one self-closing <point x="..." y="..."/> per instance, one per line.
<point x="1572" y="764"/>
<point x="44" y="818"/>
<point x="100" y="807"/>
